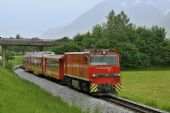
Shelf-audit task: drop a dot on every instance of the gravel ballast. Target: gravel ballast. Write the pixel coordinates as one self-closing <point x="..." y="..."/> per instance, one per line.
<point x="72" y="97"/>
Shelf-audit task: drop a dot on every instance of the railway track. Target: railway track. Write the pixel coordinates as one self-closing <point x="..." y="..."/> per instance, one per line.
<point x="139" y="108"/>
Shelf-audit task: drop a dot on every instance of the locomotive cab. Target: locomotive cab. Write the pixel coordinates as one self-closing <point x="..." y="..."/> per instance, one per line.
<point x="104" y="72"/>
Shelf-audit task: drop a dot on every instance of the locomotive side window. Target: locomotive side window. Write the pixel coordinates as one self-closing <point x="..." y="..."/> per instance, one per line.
<point x="103" y="59"/>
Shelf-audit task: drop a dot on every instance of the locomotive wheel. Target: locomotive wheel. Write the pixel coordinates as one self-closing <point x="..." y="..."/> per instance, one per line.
<point x="68" y="81"/>
<point x="85" y="87"/>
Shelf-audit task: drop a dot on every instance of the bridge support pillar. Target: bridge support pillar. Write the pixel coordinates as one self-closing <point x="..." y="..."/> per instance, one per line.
<point x="3" y="55"/>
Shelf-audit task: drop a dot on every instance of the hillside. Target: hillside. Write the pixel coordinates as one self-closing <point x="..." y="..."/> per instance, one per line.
<point x="141" y="12"/>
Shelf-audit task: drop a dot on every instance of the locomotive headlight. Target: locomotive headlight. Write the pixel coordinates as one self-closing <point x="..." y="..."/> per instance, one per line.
<point x="104" y="52"/>
<point x="93" y="75"/>
<point x="116" y="74"/>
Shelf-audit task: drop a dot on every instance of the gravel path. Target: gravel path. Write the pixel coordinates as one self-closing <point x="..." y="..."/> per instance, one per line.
<point x="72" y="97"/>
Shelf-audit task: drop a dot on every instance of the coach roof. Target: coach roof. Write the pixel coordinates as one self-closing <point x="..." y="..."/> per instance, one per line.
<point x="54" y="57"/>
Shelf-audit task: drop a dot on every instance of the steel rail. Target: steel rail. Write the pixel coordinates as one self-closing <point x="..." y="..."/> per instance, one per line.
<point x="139" y="108"/>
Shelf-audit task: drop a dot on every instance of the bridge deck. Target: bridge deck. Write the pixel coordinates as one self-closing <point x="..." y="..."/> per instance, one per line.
<point x="27" y="42"/>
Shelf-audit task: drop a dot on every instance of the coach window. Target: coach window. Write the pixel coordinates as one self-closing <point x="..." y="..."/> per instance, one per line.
<point x="27" y="60"/>
<point x="39" y="62"/>
<point x="86" y="59"/>
<point x="50" y="64"/>
<point x="32" y="62"/>
<point x="35" y="62"/>
<point x="57" y="64"/>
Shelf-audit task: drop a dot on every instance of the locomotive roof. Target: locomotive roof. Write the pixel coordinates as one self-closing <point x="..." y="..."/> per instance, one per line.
<point x="76" y="52"/>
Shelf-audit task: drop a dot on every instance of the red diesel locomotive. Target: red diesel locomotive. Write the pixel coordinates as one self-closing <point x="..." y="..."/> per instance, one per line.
<point x="92" y="72"/>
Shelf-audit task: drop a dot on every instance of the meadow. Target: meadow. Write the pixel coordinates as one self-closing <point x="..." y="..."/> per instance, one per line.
<point x="149" y="86"/>
<point x="20" y="96"/>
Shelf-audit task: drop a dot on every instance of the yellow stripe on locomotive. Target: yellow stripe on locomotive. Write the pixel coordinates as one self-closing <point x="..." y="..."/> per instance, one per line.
<point x="93" y="88"/>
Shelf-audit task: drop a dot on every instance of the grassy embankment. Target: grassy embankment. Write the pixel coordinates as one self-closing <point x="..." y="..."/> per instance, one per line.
<point x="20" y="96"/>
<point x="151" y="87"/>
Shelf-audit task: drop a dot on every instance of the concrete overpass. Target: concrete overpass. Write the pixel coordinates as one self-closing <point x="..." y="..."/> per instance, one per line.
<point x="4" y="42"/>
<point x="27" y="42"/>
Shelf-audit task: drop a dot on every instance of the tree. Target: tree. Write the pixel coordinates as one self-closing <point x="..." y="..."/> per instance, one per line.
<point x="78" y="38"/>
<point x="110" y="28"/>
<point x="166" y="54"/>
<point x="64" y="39"/>
<point x="131" y="57"/>
<point x="72" y="47"/>
<point x="18" y="36"/>
<point x="97" y="32"/>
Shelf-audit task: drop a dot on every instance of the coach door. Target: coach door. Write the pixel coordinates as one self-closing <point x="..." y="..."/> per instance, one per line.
<point x="44" y="64"/>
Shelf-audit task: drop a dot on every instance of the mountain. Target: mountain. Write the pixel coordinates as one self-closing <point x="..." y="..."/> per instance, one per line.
<point x="141" y="12"/>
<point x="162" y="5"/>
<point x="52" y="33"/>
<point x="86" y="21"/>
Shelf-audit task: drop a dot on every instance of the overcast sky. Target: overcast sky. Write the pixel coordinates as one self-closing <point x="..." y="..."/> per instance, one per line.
<point x="31" y="18"/>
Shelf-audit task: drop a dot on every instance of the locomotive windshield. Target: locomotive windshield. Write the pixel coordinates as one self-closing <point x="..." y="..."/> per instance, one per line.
<point x="103" y="59"/>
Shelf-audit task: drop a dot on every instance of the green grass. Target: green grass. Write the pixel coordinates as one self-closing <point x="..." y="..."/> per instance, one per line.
<point x="17" y="60"/>
<point x="20" y="96"/>
<point x="151" y="87"/>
